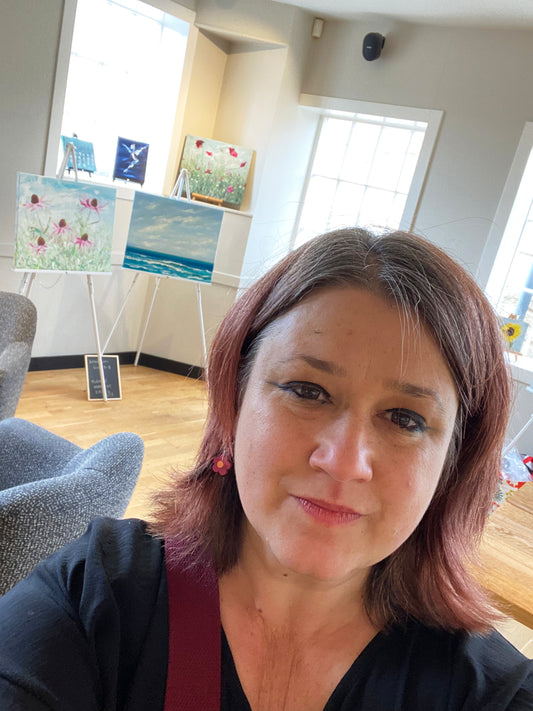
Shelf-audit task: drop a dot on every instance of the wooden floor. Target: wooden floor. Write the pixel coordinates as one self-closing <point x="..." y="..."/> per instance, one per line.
<point x="166" y="410"/>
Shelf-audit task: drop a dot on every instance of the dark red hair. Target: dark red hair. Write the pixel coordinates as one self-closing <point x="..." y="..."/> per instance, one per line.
<point x="428" y="577"/>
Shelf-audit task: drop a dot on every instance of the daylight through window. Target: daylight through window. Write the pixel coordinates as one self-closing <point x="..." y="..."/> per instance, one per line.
<point x="124" y="78"/>
<point x="361" y="173"/>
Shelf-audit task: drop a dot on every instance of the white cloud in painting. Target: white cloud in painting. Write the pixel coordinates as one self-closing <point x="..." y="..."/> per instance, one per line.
<point x="174" y="227"/>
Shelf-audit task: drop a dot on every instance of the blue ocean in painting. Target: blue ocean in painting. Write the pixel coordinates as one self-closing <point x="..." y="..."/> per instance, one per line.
<point x="167" y="265"/>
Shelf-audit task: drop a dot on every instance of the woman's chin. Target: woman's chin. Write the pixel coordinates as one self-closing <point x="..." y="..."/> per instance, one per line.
<point x="320" y="568"/>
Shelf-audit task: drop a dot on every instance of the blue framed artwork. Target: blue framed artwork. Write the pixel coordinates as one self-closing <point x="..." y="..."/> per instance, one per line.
<point x="84" y="153"/>
<point x="170" y="237"/>
<point x="130" y="160"/>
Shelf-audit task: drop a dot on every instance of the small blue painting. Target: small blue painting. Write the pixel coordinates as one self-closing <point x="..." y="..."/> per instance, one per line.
<point x="83" y="152"/>
<point x="130" y="160"/>
<point x="170" y="237"/>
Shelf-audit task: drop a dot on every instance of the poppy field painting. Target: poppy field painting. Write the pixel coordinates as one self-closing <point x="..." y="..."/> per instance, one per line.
<point x="216" y="169"/>
<point x="175" y="238"/>
<point x="63" y="226"/>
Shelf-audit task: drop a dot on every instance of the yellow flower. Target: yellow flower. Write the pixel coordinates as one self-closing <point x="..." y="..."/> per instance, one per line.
<point x="511" y="331"/>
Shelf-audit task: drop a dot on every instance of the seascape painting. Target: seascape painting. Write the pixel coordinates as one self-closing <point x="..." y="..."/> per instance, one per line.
<point x="130" y="160"/>
<point x="63" y="225"/>
<point x="216" y="169"/>
<point x="170" y="237"/>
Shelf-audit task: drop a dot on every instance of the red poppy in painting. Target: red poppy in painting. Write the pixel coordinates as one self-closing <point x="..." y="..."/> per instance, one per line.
<point x="243" y="164"/>
<point x="230" y="189"/>
<point x="208" y="170"/>
<point x="199" y="143"/>
<point x="233" y="152"/>
<point x="209" y="153"/>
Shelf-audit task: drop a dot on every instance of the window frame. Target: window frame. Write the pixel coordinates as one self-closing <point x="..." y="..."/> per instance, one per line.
<point x="329" y="107"/>
<point x="60" y="85"/>
<point x="501" y="242"/>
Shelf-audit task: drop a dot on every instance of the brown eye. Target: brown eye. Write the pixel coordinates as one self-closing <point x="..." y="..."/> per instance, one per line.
<point x="407" y="420"/>
<point x="307" y="391"/>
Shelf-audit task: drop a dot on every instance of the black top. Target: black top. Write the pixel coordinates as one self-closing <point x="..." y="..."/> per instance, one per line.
<point x="88" y="630"/>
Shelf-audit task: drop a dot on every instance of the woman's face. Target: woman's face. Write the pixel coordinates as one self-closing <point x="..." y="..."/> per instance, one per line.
<point x="341" y="436"/>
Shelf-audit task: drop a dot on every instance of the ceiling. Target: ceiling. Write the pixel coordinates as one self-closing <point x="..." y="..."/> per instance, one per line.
<point x="474" y="13"/>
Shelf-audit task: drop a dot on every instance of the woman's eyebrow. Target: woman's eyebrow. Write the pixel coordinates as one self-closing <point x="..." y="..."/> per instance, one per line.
<point x="327" y="366"/>
<point x="415" y="390"/>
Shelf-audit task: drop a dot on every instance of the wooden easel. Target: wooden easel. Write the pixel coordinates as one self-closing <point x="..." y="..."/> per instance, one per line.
<point x="29" y="277"/>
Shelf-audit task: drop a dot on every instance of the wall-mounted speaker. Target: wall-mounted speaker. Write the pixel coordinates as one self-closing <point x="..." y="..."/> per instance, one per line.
<point x="372" y="45"/>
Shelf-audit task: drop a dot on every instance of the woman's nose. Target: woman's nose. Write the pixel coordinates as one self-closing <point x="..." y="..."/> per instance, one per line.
<point x="345" y="451"/>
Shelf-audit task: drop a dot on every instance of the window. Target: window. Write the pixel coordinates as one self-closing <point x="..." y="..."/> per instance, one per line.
<point x="510" y="286"/>
<point x="366" y="168"/>
<point x="125" y="67"/>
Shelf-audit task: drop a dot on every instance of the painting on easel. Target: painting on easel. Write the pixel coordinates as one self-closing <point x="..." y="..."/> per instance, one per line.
<point x="216" y="169"/>
<point x="130" y="160"/>
<point x="63" y="225"/>
<point x="174" y="238"/>
<point x="514" y="331"/>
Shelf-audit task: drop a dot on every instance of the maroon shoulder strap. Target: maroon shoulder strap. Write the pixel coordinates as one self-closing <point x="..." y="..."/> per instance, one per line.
<point x="193" y="677"/>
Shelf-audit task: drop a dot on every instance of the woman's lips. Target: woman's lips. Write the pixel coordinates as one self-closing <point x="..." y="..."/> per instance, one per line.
<point x="328" y="513"/>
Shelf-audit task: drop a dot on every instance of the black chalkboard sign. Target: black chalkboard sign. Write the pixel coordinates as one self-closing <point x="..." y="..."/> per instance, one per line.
<point x="111" y="375"/>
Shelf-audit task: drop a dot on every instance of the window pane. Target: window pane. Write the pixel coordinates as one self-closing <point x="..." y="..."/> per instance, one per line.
<point x="124" y="77"/>
<point x="316" y="209"/>
<point x="409" y="164"/>
<point x="515" y="299"/>
<point x="346" y="205"/>
<point x="396" y="212"/>
<point x="374" y="159"/>
<point x="360" y="153"/>
<point x="377" y="205"/>
<point x="388" y="162"/>
<point x="331" y="147"/>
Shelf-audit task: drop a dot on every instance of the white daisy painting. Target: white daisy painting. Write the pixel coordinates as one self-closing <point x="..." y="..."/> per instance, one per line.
<point x="63" y="225"/>
<point x="171" y="237"/>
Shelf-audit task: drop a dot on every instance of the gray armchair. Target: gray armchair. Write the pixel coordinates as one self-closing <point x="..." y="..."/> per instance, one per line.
<point x="50" y="489"/>
<point x="18" y="318"/>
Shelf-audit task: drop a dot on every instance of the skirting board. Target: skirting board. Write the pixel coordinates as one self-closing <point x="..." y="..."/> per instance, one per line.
<point x="127" y="358"/>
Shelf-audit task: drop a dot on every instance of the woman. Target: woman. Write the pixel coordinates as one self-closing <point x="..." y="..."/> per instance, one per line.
<point x="318" y="554"/>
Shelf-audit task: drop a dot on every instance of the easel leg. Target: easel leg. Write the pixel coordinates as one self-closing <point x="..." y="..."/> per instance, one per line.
<point x="202" y="325"/>
<point x="156" y="287"/>
<point x="97" y="337"/>
<point x="26" y="283"/>
<point x="121" y="311"/>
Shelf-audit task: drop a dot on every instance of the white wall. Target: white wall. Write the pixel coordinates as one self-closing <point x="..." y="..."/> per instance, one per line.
<point x="259" y="19"/>
<point x="28" y="51"/>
